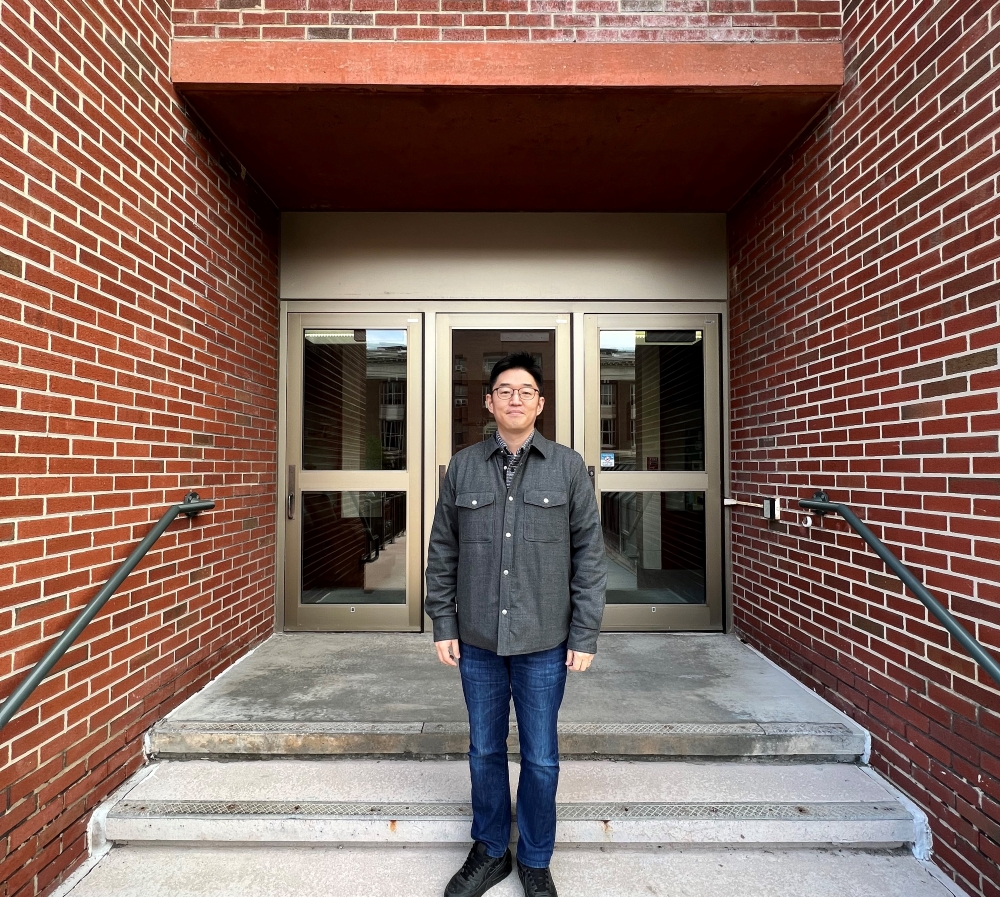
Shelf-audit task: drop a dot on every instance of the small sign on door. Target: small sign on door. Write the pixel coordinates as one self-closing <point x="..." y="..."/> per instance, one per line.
<point x="607" y="460"/>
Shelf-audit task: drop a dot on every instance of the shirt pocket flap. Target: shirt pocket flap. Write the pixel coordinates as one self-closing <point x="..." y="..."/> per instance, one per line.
<point x="544" y="498"/>
<point x="473" y="499"/>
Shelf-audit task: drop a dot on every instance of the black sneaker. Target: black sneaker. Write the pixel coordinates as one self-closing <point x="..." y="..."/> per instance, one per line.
<point x="479" y="873"/>
<point x="536" y="882"/>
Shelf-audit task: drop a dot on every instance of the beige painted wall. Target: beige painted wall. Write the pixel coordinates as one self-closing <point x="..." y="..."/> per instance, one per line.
<point x="378" y="255"/>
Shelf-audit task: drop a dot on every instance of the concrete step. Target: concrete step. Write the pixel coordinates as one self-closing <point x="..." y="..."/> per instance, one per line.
<point x="403" y="872"/>
<point x="814" y="741"/>
<point x="424" y="802"/>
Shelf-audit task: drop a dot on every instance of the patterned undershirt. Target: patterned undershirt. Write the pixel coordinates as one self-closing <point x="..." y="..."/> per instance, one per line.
<point x="508" y="462"/>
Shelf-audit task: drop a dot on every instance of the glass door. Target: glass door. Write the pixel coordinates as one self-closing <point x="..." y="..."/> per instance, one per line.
<point x="468" y="345"/>
<point x="653" y="438"/>
<point x="352" y="503"/>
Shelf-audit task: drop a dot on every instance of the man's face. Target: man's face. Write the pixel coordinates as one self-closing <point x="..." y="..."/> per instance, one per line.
<point x="516" y="414"/>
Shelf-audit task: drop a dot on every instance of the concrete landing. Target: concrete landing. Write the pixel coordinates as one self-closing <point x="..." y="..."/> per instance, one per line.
<point x="398" y="802"/>
<point x="423" y="872"/>
<point x="668" y="695"/>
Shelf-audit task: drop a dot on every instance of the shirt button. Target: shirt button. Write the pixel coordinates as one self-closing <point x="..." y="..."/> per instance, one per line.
<point x="504" y="572"/>
<point x="475" y="502"/>
<point x="510" y="498"/>
<point x="504" y="611"/>
<point x="508" y="535"/>
<point x="544" y="501"/>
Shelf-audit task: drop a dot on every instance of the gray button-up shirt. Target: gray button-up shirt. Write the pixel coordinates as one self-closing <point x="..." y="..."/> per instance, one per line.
<point x="522" y="568"/>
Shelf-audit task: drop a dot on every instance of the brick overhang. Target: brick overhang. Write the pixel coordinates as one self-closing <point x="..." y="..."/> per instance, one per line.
<point x="506" y="126"/>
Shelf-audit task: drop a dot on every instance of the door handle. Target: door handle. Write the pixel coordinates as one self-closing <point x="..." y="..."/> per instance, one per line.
<point x="593" y="478"/>
<point x="290" y="498"/>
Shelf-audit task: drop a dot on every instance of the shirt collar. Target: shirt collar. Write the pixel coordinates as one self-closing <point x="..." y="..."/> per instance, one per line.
<point x="524" y="445"/>
<point x="536" y="441"/>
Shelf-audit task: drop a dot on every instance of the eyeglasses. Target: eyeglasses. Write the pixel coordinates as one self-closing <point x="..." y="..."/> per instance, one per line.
<point x="506" y="393"/>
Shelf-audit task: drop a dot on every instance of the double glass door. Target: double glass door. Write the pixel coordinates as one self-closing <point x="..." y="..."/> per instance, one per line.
<point x="640" y="402"/>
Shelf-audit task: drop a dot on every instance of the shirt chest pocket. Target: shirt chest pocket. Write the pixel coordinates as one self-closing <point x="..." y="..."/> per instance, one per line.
<point x="546" y="517"/>
<point x="475" y="516"/>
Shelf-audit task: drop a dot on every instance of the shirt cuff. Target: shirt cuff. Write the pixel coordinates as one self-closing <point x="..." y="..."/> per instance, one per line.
<point x="445" y="628"/>
<point x="581" y="639"/>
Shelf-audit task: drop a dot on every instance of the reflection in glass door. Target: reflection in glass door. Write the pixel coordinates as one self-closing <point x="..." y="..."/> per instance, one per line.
<point x="468" y="346"/>
<point x="352" y="482"/>
<point x="652" y="433"/>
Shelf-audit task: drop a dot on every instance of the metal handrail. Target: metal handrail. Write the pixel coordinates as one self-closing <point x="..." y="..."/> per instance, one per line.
<point x="191" y="506"/>
<point x="821" y="504"/>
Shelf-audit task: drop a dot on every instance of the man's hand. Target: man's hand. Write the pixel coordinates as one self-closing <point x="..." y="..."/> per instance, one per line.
<point x="448" y="652"/>
<point x="577" y="661"/>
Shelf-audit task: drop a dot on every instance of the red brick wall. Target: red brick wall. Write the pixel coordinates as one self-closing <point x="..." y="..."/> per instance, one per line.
<point x="864" y="362"/>
<point x="138" y="317"/>
<point x="509" y="20"/>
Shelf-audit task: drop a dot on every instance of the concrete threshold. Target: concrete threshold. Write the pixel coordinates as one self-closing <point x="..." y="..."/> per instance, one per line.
<point x="385" y="694"/>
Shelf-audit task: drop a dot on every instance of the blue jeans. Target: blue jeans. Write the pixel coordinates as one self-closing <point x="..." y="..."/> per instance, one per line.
<point x="536" y="682"/>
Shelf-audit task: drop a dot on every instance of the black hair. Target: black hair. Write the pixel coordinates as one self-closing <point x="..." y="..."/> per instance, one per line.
<point x="519" y="361"/>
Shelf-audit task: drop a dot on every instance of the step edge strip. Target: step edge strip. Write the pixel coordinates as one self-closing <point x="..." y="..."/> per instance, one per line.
<point x="347" y="727"/>
<point x="790" y="811"/>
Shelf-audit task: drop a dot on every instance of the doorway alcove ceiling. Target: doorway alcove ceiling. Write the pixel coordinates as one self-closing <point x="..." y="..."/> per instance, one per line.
<point x="505" y="127"/>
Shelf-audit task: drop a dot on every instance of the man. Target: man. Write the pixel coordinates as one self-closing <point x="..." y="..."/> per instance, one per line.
<point x="516" y="579"/>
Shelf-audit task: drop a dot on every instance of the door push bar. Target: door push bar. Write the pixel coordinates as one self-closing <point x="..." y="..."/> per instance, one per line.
<point x="769" y="507"/>
<point x="290" y="498"/>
